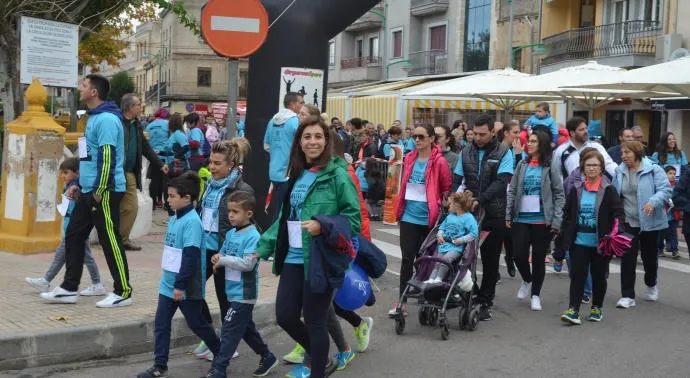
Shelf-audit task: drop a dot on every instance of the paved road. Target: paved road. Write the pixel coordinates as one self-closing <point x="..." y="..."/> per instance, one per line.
<point x="648" y="341"/>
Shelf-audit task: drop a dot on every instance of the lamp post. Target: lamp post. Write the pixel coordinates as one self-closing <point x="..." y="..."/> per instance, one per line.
<point x="158" y="85"/>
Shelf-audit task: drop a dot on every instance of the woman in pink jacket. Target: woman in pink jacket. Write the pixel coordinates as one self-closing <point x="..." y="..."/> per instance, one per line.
<point x="426" y="179"/>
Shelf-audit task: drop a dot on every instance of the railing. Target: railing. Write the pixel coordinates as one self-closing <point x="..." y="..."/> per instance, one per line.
<point x="623" y="38"/>
<point x="365" y="61"/>
<point x="430" y="62"/>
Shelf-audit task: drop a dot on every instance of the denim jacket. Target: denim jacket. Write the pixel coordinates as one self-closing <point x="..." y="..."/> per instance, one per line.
<point x="652" y="187"/>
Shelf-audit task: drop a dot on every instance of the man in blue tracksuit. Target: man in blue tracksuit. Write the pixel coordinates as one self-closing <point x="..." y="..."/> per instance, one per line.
<point x="280" y="133"/>
<point x="101" y="187"/>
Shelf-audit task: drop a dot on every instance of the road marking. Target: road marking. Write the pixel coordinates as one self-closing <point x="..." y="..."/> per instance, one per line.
<point x="391" y="231"/>
<point x="235" y="24"/>
<point x="388" y="248"/>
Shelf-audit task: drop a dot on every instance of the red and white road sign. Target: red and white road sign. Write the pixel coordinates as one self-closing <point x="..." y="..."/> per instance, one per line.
<point x="236" y="28"/>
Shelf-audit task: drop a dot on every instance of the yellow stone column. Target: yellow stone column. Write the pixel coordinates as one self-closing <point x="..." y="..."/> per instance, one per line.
<point x="31" y="186"/>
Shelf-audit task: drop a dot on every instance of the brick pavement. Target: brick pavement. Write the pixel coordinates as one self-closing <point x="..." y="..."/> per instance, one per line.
<point x="24" y="311"/>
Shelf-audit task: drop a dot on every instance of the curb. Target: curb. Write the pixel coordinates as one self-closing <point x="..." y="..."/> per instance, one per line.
<point x="24" y="350"/>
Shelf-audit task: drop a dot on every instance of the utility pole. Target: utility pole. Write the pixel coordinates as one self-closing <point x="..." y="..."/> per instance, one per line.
<point x="233" y="79"/>
<point x="158" y="87"/>
<point x="510" y="34"/>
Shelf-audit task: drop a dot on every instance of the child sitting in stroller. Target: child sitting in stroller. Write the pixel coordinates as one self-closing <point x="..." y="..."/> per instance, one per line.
<point x="459" y="228"/>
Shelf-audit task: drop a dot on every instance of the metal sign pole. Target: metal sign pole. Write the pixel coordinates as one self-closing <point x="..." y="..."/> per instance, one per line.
<point x="233" y="78"/>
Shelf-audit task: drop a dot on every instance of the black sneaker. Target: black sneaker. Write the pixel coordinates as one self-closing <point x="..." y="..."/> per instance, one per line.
<point x="213" y="373"/>
<point x="154" y="372"/>
<point x="510" y="265"/>
<point x="586" y="299"/>
<point x="331" y="366"/>
<point x="268" y="362"/>
<point x="485" y="313"/>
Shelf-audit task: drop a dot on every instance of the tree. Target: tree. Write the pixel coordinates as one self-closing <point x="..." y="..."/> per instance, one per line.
<point x="120" y="84"/>
<point x="102" y="24"/>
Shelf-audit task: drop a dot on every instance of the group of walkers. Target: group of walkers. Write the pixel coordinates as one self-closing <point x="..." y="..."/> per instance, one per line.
<point x="530" y="184"/>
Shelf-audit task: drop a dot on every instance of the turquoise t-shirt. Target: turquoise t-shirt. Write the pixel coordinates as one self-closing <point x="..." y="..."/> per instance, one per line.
<point x="455" y="226"/>
<point x="363" y="185"/>
<point x="417" y="212"/>
<point x="197" y="135"/>
<point x="409" y="145"/>
<point x="672" y="161"/>
<point x="297" y="196"/>
<point x="103" y="129"/>
<point x="587" y="220"/>
<point x="184" y="232"/>
<point x="504" y="166"/>
<point x="532" y="187"/>
<point x="158" y="134"/>
<point x="178" y="137"/>
<point x="245" y="285"/>
<point x="279" y="138"/>
<point x="387" y="148"/>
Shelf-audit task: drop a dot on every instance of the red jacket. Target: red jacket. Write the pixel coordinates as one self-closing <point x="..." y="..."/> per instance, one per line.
<point x="364" y="229"/>
<point x="437" y="179"/>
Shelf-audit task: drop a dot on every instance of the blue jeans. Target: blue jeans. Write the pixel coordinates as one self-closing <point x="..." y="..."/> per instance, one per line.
<point x="669" y="236"/>
<point x="59" y="262"/>
<point x="238" y="325"/>
<point x="588" y="283"/>
<point x="191" y="309"/>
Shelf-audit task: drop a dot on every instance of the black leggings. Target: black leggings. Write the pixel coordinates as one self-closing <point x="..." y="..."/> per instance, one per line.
<point x="411" y="238"/>
<point x="219" y="283"/>
<point x="156" y="187"/>
<point x="645" y="242"/>
<point x="349" y="316"/>
<point x="582" y="258"/>
<point x="295" y="296"/>
<point x="538" y="237"/>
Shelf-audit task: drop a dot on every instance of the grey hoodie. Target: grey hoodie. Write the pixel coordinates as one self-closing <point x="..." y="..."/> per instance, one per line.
<point x="552" y="196"/>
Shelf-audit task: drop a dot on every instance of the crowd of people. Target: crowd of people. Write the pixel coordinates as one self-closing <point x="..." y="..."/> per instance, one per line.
<point x="537" y="185"/>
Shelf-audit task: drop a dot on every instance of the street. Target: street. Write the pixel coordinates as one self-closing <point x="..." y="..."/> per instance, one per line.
<point x="647" y="341"/>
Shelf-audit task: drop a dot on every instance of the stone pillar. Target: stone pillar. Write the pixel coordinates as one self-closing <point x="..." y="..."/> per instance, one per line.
<point x="31" y="186"/>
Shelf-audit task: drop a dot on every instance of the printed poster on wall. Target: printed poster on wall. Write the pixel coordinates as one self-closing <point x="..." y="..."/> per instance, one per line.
<point x="306" y="81"/>
<point x="393" y="182"/>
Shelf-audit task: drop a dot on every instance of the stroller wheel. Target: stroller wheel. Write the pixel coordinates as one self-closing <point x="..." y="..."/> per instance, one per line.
<point x="423" y="316"/>
<point x="399" y="324"/>
<point x="463" y="318"/>
<point x="444" y="331"/>
<point x="433" y="317"/>
<point x="473" y="320"/>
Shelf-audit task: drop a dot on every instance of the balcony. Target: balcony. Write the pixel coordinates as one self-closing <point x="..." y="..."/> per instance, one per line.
<point x="366" y="68"/>
<point x="432" y="62"/>
<point x="624" y="44"/>
<point x="421" y="8"/>
<point x="369" y="21"/>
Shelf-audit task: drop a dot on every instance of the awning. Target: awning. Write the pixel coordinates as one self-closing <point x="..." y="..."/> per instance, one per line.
<point x="375" y="109"/>
<point x="469" y="104"/>
<point x="337" y="107"/>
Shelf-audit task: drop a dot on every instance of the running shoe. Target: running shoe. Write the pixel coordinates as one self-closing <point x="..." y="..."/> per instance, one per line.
<point x="595" y="314"/>
<point x="300" y="371"/>
<point x="268" y="362"/>
<point x="344" y="358"/>
<point x="296" y="356"/>
<point x="571" y="316"/>
<point x="363" y="333"/>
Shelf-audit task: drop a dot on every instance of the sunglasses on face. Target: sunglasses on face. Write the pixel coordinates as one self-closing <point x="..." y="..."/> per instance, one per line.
<point x="419" y="136"/>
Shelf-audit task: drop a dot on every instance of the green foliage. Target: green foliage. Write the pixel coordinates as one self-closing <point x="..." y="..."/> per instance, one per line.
<point x="120" y="84"/>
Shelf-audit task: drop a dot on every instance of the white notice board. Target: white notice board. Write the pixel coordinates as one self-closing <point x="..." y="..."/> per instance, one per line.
<point x="49" y="52"/>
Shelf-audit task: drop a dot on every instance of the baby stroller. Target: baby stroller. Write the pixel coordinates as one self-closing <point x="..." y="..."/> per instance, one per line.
<point x="436" y="299"/>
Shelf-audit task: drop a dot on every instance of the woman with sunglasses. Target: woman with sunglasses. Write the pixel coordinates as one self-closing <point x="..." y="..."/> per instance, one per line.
<point x="426" y="179"/>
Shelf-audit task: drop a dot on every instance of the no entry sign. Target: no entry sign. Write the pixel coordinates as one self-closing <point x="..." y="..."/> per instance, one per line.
<point x="235" y="29"/>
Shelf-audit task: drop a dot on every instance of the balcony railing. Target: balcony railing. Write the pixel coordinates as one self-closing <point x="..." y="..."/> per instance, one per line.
<point x="430" y="62"/>
<point x="623" y="38"/>
<point x="365" y="61"/>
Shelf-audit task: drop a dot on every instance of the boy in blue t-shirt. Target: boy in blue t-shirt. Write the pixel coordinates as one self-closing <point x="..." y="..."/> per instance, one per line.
<point x="69" y="171"/>
<point x="542" y="119"/>
<point x="182" y="281"/>
<point x="238" y="257"/>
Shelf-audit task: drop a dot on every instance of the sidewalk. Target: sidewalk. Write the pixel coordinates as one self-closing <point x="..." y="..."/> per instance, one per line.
<point x="30" y="335"/>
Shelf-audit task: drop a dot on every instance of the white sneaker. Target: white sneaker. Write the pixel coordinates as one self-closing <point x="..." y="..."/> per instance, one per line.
<point x="525" y="290"/>
<point x="60" y="295"/>
<point x="39" y="284"/>
<point x="114" y="300"/>
<point x="625" y="303"/>
<point x="235" y="355"/>
<point x="536" y="303"/>
<point x="652" y="293"/>
<point x="93" y="290"/>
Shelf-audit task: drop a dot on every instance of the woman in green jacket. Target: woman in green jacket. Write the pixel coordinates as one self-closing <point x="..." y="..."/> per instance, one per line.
<point x="319" y="185"/>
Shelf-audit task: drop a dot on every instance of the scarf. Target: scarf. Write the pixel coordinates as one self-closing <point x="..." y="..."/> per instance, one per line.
<point x="216" y="188"/>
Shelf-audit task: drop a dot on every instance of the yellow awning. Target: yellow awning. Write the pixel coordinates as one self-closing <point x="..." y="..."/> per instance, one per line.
<point x="468" y="105"/>
<point x="375" y="109"/>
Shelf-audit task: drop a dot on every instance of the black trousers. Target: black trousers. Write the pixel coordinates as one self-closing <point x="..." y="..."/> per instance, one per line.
<point x="490" y="254"/>
<point x="581" y="259"/>
<point x="646" y="243"/>
<point x="294" y="297"/>
<point x="156" y="187"/>
<point x="349" y="316"/>
<point x="508" y="245"/>
<point x="411" y="238"/>
<point x="105" y="216"/>
<point x="219" y="284"/>
<point x="538" y="237"/>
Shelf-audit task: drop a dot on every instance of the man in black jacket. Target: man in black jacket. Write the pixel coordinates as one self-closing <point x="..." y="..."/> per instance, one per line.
<point x="135" y="146"/>
<point x="486" y="167"/>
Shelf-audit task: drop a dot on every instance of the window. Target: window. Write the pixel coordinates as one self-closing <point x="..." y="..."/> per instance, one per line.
<point x="477" y="38"/>
<point x="397" y="44"/>
<point x="203" y="77"/>
<point x="437" y="38"/>
<point x="652" y="10"/>
<point x="359" y="48"/>
<point x="331" y="54"/>
<point x="373" y="47"/>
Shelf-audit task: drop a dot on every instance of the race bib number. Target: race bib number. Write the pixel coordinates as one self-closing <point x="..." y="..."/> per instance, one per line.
<point x="172" y="259"/>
